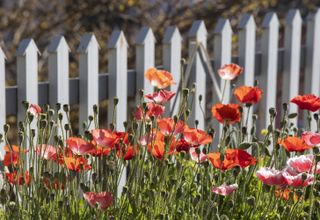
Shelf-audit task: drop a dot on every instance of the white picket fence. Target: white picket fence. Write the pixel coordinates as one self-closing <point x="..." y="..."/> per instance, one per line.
<point x="264" y="64"/>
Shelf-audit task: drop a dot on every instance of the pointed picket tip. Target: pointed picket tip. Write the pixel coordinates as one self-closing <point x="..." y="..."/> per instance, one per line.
<point x="2" y="54"/>
<point x="172" y="33"/>
<point x="314" y="15"/>
<point x="246" y="21"/>
<point x="117" y="39"/>
<point x="197" y="29"/>
<point x="86" y="41"/>
<point x="56" y="43"/>
<point x="144" y="34"/>
<point x="222" y="26"/>
<point x="270" y="18"/>
<point x="25" y="45"/>
<point x="293" y="17"/>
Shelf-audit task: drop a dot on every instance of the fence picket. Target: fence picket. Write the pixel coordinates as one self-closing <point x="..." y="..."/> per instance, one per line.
<point x="171" y="61"/>
<point x="58" y="62"/>
<point x="290" y="78"/>
<point x="88" y="76"/>
<point x="198" y="34"/>
<point x="27" y="74"/>
<point x="145" y="55"/>
<point x="117" y="85"/>
<point x="222" y="52"/>
<point x="247" y="35"/>
<point x="2" y="96"/>
<point x="312" y="67"/>
<point x="269" y="65"/>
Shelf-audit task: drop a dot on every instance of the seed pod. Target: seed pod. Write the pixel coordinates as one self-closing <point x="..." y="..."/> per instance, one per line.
<point x="66" y="108"/>
<point x="95" y="109"/>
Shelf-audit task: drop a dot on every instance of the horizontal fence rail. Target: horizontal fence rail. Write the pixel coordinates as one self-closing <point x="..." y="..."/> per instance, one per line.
<point x="286" y="69"/>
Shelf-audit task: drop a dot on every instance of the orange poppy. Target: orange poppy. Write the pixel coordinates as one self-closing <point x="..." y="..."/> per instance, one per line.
<point x="159" y="78"/>
<point x="167" y="126"/>
<point x="230" y="71"/>
<point x="79" y="146"/>
<point x="196" y="137"/>
<point x="248" y="94"/>
<point x="12" y="155"/>
<point x="229" y="113"/>
<point x="232" y="158"/>
<point x="158" y="146"/>
<point x="77" y="163"/>
<point x="106" y="138"/>
<point x="285" y="194"/>
<point x="292" y="143"/>
<point x="22" y="179"/>
<point x="307" y="102"/>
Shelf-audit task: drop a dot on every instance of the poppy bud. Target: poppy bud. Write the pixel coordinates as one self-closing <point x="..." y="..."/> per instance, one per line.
<point x="317" y="204"/>
<point x="43" y="124"/>
<point x="67" y="127"/>
<point x="60" y="116"/>
<point x="51" y="112"/>
<point x="315" y="150"/>
<point x="270" y="128"/>
<point x="241" y="109"/>
<point x="196" y="122"/>
<point x="185" y="92"/>
<point x="124" y="189"/>
<point x="6" y="128"/>
<point x="316" y="116"/>
<point x="135" y="125"/>
<point x="187" y="112"/>
<point x="221" y="157"/>
<point x="25" y="104"/>
<point x="30" y="117"/>
<point x="248" y="105"/>
<point x="111" y="126"/>
<point x="197" y="150"/>
<point x="317" y="158"/>
<point x="200" y="98"/>
<point x="115" y="101"/>
<point x="285" y="106"/>
<point x="204" y="150"/>
<point x="58" y="106"/>
<point x="51" y="123"/>
<point x="236" y="171"/>
<point x="266" y="188"/>
<point x="90" y="118"/>
<point x="254" y="117"/>
<point x="281" y="209"/>
<point x="244" y="130"/>
<point x="125" y="124"/>
<point x="33" y="132"/>
<point x="88" y="135"/>
<point x="152" y="118"/>
<point x="95" y="109"/>
<point x="251" y="201"/>
<point x="175" y="119"/>
<point x="253" y="130"/>
<point x="144" y="106"/>
<point x="84" y="125"/>
<point x="272" y="112"/>
<point x="66" y="108"/>
<point x="228" y="139"/>
<point x="130" y="138"/>
<point x="303" y="176"/>
<point x="299" y="192"/>
<point x="148" y="128"/>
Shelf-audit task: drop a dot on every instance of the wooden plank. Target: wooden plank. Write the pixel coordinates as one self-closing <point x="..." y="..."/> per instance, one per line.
<point x="88" y="76"/>
<point x="2" y="97"/>
<point x="172" y="62"/>
<point x="198" y="34"/>
<point x="269" y="64"/>
<point x="145" y="55"/>
<point x="291" y="72"/>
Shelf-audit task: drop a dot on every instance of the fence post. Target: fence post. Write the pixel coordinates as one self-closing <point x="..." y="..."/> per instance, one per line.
<point x="88" y="77"/>
<point x="117" y="83"/>
<point x="27" y="74"/>
<point x="58" y="71"/>
<point x="312" y="67"/>
<point x="172" y="62"/>
<point x="247" y="51"/>
<point x="222" y="51"/>
<point x="291" y="73"/>
<point x="198" y="34"/>
<point x="2" y="97"/>
<point x="145" y="53"/>
<point x="269" y="66"/>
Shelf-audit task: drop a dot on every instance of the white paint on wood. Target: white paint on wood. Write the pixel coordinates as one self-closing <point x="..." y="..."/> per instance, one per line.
<point x="2" y="97"/>
<point x="88" y="76"/>
<point x="172" y="63"/>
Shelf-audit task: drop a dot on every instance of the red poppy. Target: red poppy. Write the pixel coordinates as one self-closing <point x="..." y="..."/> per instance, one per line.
<point x="14" y="179"/>
<point x="100" y="200"/>
<point x="307" y="102"/>
<point x="294" y="144"/>
<point x="196" y="137"/>
<point x="159" y="78"/>
<point x="127" y="152"/>
<point x="248" y="94"/>
<point x="285" y="194"/>
<point x="12" y="155"/>
<point x="161" y="97"/>
<point x="229" y="113"/>
<point x="54" y="183"/>
<point x="230" y="71"/>
<point x="34" y="109"/>
<point x="79" y="146"/>
<point x="158" y="146"/>
<point x="167" y="126"/>
<point x="77" y="163"/>
<point x="100" y="151"/>
<point x="310" y="138"/>
<point x="153" y="109"/>
<point x="232" y="158"/>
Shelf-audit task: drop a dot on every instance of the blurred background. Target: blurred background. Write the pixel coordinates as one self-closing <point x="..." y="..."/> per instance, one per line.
<point x="43" y="19"/>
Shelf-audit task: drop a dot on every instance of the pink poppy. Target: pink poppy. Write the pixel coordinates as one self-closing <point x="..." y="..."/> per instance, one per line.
<point x="230" y="71"/>
<point x="199" y="158"/>
<point x="271" y="177"/>
<point x="103" y="199"/>
<point x="79" y="146"/>
<point x="47" y="152"/>
<point x="104" y="137"/>
<point x="161" y="97"/>
<point x="301" y="163"/>
<point x="310" y="138"/>
<point x="167" y="126"/>
<point x="224" y="189"/>
<point x="34" y="109"/>
<point x="297" y="180"/>
<point x="153" y="109"/>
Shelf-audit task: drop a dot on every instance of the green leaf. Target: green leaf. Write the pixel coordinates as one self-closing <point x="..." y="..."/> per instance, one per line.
<point x="292" y="115"/>
<point x="245" y="145"/>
